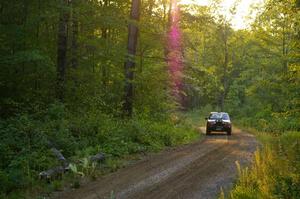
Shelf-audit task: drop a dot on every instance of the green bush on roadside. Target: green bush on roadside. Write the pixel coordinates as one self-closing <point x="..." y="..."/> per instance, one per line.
<point x="275" y="172"/>
<point x="25" y="138"/>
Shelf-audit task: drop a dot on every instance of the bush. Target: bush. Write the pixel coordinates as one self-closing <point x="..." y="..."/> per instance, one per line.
<point x="275" y="172"/>
<point x="25" y="141"/>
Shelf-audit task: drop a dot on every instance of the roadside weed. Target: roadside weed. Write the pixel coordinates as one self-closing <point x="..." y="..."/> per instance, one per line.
<point x="275" y="171"/>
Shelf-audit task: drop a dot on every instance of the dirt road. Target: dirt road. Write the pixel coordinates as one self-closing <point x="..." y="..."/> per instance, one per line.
<point x="197" y="170"/>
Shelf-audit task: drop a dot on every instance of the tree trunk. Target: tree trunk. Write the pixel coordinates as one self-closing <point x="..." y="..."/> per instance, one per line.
<point x="74" y="61"/>
<point x="104" y="62"/>
<point x="105" y="36"/>
<point x="225" y="67"/>
<point x="62" y="38"/>
<point x="204" y="51"/>
<point x="284" y="47"/>
<point x="168" y="26"/>
<point x="130" y="63"/>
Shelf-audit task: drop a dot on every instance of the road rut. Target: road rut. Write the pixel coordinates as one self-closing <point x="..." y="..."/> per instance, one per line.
<point x="197" y="170"/>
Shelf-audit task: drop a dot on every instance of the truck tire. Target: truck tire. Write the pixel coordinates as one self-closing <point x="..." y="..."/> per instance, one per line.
<point x="207" y="131"/>
<point x="229" y="132"/>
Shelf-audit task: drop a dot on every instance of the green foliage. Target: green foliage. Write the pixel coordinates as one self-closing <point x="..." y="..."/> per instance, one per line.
<point x="275" y="172"/>
<point x="24" y="152"/>
<point x="56" y="185"/>
<point x="266" y="92"/>
<point x="25" y="138"/>
<point x="254" y="72"/>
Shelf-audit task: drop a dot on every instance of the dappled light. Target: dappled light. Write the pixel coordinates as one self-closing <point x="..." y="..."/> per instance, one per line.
<point x="151" y="99"/>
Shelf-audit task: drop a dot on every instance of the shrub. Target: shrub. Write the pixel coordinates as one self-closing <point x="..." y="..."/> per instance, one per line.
<point x="25" y="141"/>
<point x="275" y="172"/>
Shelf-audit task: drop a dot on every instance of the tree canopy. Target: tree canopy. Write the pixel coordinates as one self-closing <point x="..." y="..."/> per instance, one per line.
<point x="96" y="75"/>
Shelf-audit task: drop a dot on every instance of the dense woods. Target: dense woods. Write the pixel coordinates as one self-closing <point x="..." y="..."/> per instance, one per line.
<point x="94" y="76"/>
<point x="252" y="74"/>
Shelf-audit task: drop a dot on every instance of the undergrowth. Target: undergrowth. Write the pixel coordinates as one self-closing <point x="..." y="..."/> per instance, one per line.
<point x="275" y="170"/>
<point x="25" y="138"/>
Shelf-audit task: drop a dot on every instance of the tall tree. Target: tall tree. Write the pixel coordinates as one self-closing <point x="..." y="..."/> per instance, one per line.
<point x="224" y="76"/>
<point x="130" y="62"/>
<point x="62" y="38"/>
<point x="74" y="60"/>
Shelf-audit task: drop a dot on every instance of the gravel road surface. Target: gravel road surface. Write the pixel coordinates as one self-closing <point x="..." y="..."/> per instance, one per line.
<point x="197" y="170"/>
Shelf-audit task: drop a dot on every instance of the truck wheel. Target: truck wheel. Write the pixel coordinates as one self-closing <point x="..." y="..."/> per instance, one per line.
<point x="207" y="132"/>
<point x="229" y="132"/>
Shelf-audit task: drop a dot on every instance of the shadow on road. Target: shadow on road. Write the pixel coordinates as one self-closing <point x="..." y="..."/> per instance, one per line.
<point x="217" y="134"/>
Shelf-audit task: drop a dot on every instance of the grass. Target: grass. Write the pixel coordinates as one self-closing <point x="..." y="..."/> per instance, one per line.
<point x="25" y="152"/>
<point x="275" y="170"/>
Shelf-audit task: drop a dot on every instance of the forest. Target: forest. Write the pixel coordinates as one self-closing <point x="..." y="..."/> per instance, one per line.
<point x="123" y="77"/>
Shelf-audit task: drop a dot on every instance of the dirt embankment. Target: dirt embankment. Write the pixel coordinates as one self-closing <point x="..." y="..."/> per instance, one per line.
<point x="197" y="170"/>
